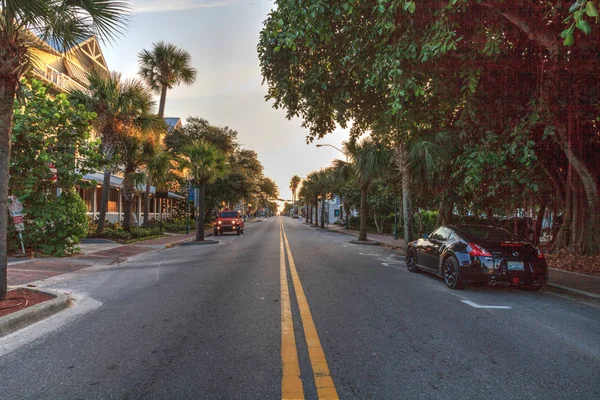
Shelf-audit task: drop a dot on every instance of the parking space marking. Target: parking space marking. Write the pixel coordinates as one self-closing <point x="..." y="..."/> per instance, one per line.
<point x="475" y="305"/>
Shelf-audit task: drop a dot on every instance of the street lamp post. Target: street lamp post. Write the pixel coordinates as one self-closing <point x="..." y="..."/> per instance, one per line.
<point x="187" y="219"/>
<point x="396" y="218"/>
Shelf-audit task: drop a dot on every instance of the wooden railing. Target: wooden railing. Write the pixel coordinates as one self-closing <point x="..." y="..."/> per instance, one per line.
<point x="63" y="81"/>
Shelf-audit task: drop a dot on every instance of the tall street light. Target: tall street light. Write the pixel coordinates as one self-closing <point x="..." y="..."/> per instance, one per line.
<point x="330" y="145"/>
<point x="344" y="153"/>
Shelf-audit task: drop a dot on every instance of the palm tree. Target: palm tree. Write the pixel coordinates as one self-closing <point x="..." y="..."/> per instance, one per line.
<point x="294" y="182"/>
<point x="323" y="185"/>
<point x="368" y="160"/>
<point x="121" y="106"/>
<point x="313" y="190"/>
<point x="159" y="172"/>
<point x="164" y="67"/>
<point x="419" y="153"/>
<point x="132" y="148"/>
<point x="66" y="22"/>
<point x="206" y="163"/>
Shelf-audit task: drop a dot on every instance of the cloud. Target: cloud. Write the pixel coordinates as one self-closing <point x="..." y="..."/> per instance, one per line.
<point x="177" y="5"/>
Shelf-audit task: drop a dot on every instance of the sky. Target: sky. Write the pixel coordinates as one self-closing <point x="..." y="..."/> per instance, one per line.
<point x="221" y="37"/>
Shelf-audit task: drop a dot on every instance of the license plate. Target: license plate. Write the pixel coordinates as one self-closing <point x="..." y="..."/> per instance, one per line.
<point x="515" y="265"/>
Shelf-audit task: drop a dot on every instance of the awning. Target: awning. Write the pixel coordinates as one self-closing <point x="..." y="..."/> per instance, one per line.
<point x="116" y="181"/>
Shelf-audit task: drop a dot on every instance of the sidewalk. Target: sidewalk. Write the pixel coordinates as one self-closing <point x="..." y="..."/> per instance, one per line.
<point x="584" y="285"/>
<point x="95" y="252"/>
<point x="397" y="244"/>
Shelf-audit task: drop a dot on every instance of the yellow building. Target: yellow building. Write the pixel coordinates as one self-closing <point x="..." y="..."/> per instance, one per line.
<point x="66" y="70"/>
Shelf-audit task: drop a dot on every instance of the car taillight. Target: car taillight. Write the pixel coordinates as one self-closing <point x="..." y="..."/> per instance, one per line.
<point x="477" y="251"/>
<point x="220" y="222"/>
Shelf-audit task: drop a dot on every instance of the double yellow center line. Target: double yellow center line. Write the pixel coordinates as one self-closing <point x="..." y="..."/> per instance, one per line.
<point x="291" y="383"/>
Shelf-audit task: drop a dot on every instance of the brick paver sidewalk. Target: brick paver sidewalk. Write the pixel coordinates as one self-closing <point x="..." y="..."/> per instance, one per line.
<point x="26" y="271"/>
<point x="389" y="240"/>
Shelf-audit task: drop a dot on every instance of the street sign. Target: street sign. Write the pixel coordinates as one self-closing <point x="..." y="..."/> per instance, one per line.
<point x="15" y="207"/>
<point x="54" y="172"/>
<point x="191" y="194"/>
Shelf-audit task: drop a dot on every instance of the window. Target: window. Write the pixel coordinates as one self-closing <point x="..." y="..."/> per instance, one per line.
<point x="442" y="233"/>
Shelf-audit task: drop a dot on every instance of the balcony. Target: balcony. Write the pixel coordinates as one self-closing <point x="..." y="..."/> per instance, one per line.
<point x="63" y="81"/>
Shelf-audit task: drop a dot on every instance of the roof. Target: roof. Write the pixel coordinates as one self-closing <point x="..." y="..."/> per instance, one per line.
<point x="59" y="46"/>
<point x="118" y="182"/>
<point x="173" y="122"/>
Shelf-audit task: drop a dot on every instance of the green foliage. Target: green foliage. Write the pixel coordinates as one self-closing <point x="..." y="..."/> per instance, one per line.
<point x="53" y="225"/>
<point x="425" y="222"/>
<point x="117" y="233"/>
<point x="223" y="138"/>
<point x="51" y="131"/>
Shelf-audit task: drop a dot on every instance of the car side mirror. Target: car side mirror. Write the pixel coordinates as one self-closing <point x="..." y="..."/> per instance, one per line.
<point x="426" y="236"/>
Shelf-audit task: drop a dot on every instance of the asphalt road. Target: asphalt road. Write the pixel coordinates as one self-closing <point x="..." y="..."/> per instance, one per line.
<point x="218" y="322"/>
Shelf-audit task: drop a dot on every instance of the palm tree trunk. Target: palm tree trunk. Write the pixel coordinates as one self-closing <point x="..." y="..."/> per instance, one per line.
<point x="7" y="98"/>
<point x="147" y="206"/>
<point x="201" y="212"/>
<point x="323" y="213"/>
<point x="163" y="101"/>
<point x="127" y="215"/>
<point x="364" y="213"/>
<point x="104" y="200"/>
<point x="316" y="211"/>
<point x="406" y="204"/>
<point x="128" y="194"/>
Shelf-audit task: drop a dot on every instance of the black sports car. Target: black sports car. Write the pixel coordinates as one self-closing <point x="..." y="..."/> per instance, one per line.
<point x="476" y="253"/>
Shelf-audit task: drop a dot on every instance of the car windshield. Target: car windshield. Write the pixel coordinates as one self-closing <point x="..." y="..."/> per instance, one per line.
<point x="229" y="214"/>
<point x="489" y="233"/>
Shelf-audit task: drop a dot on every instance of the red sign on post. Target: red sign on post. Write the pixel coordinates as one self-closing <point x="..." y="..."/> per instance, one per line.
<point x="18" y="219"/>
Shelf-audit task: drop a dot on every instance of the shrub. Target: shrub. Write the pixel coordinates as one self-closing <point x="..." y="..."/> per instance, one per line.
<point x="53" y="225"/>
<point x="425" y="222"/>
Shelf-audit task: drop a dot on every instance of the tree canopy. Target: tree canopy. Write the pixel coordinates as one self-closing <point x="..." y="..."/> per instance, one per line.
<point x="514" y="80"/>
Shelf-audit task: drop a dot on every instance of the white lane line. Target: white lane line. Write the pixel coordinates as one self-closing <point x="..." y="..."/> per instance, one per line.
<point x="387" y="265"/>
<point x="475" y="305"/>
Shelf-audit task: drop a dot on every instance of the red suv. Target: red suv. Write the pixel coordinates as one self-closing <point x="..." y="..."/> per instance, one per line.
<point x="229" y="221"/>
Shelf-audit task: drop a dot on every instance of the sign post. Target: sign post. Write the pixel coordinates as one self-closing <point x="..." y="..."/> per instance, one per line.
<point x="15" y="207"/>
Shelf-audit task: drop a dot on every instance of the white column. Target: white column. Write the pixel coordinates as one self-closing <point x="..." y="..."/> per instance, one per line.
<point x="139" y="208"/>
<point x="119" y="203"/>
<point x="94" y="205"/>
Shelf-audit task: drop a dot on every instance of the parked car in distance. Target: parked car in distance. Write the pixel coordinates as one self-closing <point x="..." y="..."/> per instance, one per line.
<point x="477" y="253"/>
<point x="228" y="221"/>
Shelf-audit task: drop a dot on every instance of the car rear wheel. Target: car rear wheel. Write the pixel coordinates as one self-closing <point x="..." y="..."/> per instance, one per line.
<point x="411" y="260"/>
<point x="451" y="273"/>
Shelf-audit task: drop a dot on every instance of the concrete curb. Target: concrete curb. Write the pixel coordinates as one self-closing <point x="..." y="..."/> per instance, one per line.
<point x="179" y="243"/>
<point x="13" y="322"/>
<point x="380" y="243"/>
<point x="575" y="291"/>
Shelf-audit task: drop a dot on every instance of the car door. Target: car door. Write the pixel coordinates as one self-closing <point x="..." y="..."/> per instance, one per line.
<point x="438" y="240"/>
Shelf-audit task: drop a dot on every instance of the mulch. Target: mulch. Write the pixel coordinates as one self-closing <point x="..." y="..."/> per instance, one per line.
<point x="19" y="299"/>
<point x="588" y="265"/>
